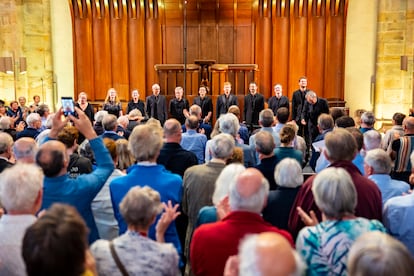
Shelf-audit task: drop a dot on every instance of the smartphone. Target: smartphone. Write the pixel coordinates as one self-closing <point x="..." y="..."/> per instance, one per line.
<point x="68" y="106"/>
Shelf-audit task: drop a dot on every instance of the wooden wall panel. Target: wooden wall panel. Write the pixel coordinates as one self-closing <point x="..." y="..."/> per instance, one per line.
<point x="174" y="44"/>
<point x="316" y="54"/>
<point x="193" y="44"/>
<point x="280" y="53"/>
<point x="244" y="41"/>
<point x="208" y="38"/>
<point x="101" y="53"/>
<point x="119" y="49"/>
<point x="263" y="54"/>
<point x="225" y="45"/>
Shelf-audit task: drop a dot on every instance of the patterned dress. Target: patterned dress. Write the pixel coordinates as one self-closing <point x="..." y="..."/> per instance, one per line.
<point x="325" y="247"/>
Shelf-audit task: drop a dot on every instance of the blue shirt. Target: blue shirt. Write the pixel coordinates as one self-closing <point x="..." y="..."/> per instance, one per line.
<point x="389" y="187"/>
<point x="168" y="184"/>
<point x="80" y="192"/>
<point x="194" y="142"/>
<point x="398" y="217"/>
<point x="323" y="163"/>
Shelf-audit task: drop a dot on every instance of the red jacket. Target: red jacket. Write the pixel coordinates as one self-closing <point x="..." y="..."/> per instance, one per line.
<point x="369" y="202"/>
<point x="213" y="243"/>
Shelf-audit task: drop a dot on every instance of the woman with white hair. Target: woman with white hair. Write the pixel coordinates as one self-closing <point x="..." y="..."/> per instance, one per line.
<point x="98" y="127"/>
<point x="289" y="178"/>
<point x="134" y="253"/>
<point x="325" y="246"/>
<point x="220" y="209"/>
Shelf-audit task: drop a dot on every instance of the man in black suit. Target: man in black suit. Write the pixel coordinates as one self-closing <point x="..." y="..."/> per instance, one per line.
<point x="6" y="143"/>
<point x="157" y="105"/>
<point x="253" y="104"/>
<point x="313" y="107"/>
<point x="278" y="100"/>
<point x="226" y="100"/>
<point x="298" y="102"/>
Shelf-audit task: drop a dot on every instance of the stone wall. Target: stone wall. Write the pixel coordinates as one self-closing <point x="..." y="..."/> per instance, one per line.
<point x="395" y="38"/>
<point x="25" y="31"/>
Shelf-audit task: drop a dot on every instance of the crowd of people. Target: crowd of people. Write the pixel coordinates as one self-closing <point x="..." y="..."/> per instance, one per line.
<point x="281" y="187"/>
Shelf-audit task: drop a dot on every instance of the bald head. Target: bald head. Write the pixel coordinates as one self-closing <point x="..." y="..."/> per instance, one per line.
<point x="172" y="131"/>
<point x="25" y="150"/>
<point x="52" y="158"/>
<point x="272" y="253"/>
<point x="249" y="191"/>
<point x="408" y="125"/>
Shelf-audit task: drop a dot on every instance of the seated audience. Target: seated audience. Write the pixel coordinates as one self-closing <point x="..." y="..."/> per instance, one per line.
<point x="213" y="243"/>
<point x="340" y="150"/>
<point x="193" y="141"/>
<point x="138" y="254"/>
<point x="325" y="125"/>
<point x="345" y="122"/>
<point x="103" y="212"/>
<point x="376" y="253"/>
<point x="377" y="166"/>
<point x="325" y="246"/>
<point x="372" y="140"/>
<point x="286" y="149"/>
<point x="58" y="186"/>
<point x="367" y="121"/>
<point x="265" y="146"/>
<point x="288" y="176"/>
<point x="282" y="116"/>
<point x="145" y="144"/>
<point x="21" y="196"/>
<point x="57" y="244"/>
<point x="243" y="132"/>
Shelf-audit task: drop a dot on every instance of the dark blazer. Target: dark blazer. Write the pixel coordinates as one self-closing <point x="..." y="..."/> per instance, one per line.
<point x="28" y="132"/>
<point x="140" y="105"/>
<point x="111" y="135"/>
<point x="267" y="168"/>
<point x="275" y="103"/>
<point x="298" y="99"/>
<point x="311" y="113"/>
<point x="222" y="105"/>
<point x="176" y="159"/>
<point x="252" y="107"/>
<point x="161" y="106"/>
<point x="4" y="164"/>
<point x="206" y="105"/>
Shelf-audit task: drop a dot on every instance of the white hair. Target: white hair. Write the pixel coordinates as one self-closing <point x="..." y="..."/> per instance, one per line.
<point x="20" y="186"/>
<point x="288" y="173"/>
<point x="372" y="140"/>
<point x="32" y="118"/>
<point x="379" y="160"/>
<point x="100" y="115"/>
<point x="223" y="181"/>
<point x="254" y="203"/>
<point x="229" y="124"/>
<point x="5" y="122"/>
<point x="222" y="146"/>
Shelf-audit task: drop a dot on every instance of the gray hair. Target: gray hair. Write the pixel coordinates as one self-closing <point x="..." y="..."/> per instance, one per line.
<point x="249" y="261"/>
<point x="372" y="140"/>
<point x="32" y="118"/>
<point x="222" y="146"/>
<point x="266" y="117"/>
<point x="100" y="115"/>
<point x="325" y="121"/>
<point x="135" y="112"/>
<point x="254" y="203"/>
<point x="310" y="94"/>
<point x="368" y="118"/>
<point x="6" y="141"/>
<point x="229" y="124"/>
<point x="195" y="110"/>
<point x="223" y="181"/>
<point x="140" y="205"/>
<point x="109" y="122"/>
<point x="145" y="142"/>
<point x="288" y="173"/>
<point x="123" y="120"/>
<point x="379" y="160"/>
<point x="334" y="192"/>
<point x="264" y="142"/>
<point x="5" y="123"/>
<point x="25" y="148"/>
<point x="20" y="186"/>
<point x="376" y="253"/>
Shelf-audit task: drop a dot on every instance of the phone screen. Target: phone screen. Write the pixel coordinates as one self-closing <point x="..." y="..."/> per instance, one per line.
<point x="68" y="106"/>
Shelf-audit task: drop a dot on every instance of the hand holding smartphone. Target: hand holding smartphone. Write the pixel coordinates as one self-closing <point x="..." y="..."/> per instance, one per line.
<point x="68" y="106"/>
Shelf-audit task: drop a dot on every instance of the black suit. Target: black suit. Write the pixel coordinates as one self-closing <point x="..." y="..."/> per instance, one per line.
<point x="206" y="105"/>
<point x="275" y="103"/>
<point x="4" y="164"/>
<point x="157" y="108"/>
<point x="224" y="103"/>
<point x="311" y="113"/>
<point x="253" y="104"/>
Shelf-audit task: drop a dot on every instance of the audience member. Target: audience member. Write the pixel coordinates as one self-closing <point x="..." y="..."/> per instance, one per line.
<point x="203" y="128"/>
<point x="25" y="150"/>
<point x="367" y="121"/>
<point x="372" y="140"/>
<point x="193" y="141"/>
<point x="102" y="209"/>
<point x="33" y="126"/>
<point x="6" y="126"/>
<point x="56" y="244"/>
<point x="58" y="186"/>
<point x="377" y="166"/>
<point x="98" y="121"/>
<point x="401" y="150"/>
<point x="21" y="196"/>
<point x="77" y="164"/>
<point x="122" y="127"/>
<point x="243" y="132"/>
<point x="145" y="144"/>
<point x="345" y="122"/>
<point x="198" y="181"/>
<point x="138" y="254"/>
<point x="282" y="116"/>
<point x="286" y="149"/>
<point x="340" y="150"/>
<point x="213" y="243"/>
<point x="6" y="152"/>
<point x="288" y="177"/>
<point x="325" y="125"/>
<point x="396" y="131"/>
<point x="135" y="117"/>
<point x="44" y="112"/>
<point x="265" y="146"/>
<point x="336" y="112"/>
<point x="110" y="126"/>
<point x="125" y="159"/>
<point x="376" y="253"/>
